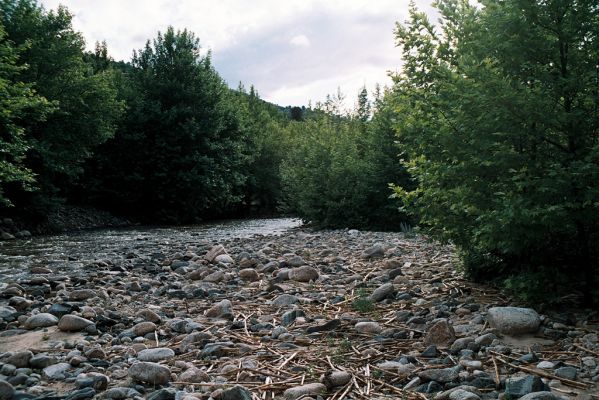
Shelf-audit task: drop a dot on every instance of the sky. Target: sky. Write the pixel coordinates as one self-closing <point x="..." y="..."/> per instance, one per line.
<point x="292" y="51"/>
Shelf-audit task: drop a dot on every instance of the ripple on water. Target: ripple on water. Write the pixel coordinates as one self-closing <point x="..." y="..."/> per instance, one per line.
<point x="71" y="251"/>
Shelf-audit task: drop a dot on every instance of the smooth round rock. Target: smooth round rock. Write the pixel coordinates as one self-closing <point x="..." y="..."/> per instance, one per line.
<point x="514" y="320"/>
<point x="73" y="323"/>
<point x="368" y="327"/>
<point x="311" y="389"/>
<point x="42" y="320"/>
<point x="304" y="273"/>
<point x="156" y="354"/>
<point x="149" y="372"/>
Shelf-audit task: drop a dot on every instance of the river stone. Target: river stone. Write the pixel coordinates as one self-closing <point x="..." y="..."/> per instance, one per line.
<point x="150" y="372"/>
<point x="156" y="354"/>
<point x="94" y="380"/>
<point x="150" y="315"/>
<point x="285" y="300"/>
<point x="7" y="312"/>
<point x="567" y="373"/>
<point x="440" y="334"/>
<point x="81" y="294"/>
<point x="143" y="328"/>
<point x="41" y="320"/>
<point x="19" y="359"/>
<point x="224" y="258"/>
<point x="368" y="327"/>
<point x="311" y="389"/>
<point x="520" y="386"/>
<point x="20" y="303"/>
<point x="461" y="394"/>
<point x="169" y="393"/>
<point x="336" y="378"/>
<point x="56" y="371"/>
<point x="304" y="273"/>
<point x="540" y="396"/>
<point x="118" y="393"/>
<point x="73" y="323"/>
<point x="377" y="250"/>
<point x="441" y="375"/>
<point x="214" y="252"/>
<point x="222" y="309"/>
<point x="194" y="375"/>
<point x="249" y="274"/>
<point x="296" y="261"/>
<point x="382" y="292"/>
<point x="6" y="390"/>
<point x="81" y="394"/>
<point x="514" y="320"/>
<point x="42" y="360"/>
<point x="236" y="393"/>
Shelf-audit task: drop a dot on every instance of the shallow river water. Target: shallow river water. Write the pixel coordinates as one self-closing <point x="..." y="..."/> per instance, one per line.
<point x="72" y="250"/>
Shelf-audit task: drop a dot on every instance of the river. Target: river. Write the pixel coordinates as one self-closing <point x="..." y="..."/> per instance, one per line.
<point x="69" y="251"/>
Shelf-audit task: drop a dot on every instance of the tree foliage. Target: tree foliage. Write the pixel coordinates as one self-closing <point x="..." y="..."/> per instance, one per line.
<point x="498" y="113"/>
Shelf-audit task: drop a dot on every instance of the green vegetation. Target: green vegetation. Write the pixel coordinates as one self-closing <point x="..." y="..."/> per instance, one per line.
<point x="498" y="116"/>
<point x="490" y="135"/>
<point x="363" y="303"/>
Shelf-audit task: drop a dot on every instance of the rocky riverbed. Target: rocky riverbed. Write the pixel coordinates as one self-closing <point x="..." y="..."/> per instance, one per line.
<point x="302" y="315"/>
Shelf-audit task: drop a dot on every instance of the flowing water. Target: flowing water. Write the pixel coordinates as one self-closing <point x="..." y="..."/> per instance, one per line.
<point x="69" y="251"/>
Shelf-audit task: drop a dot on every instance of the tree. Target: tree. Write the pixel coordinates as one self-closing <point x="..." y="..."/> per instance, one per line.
<point x="498" y="115"/>
<point x="18" y="103"/>
<point x="86" y="105"/>
<point x="180" y="153"/>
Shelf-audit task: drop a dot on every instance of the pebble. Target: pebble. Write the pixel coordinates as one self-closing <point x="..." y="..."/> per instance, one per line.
<point x="149" y="372"/>
<point x="370" y="328"/>
<point x="311" y="389"/>
<point x="443" y="375"/>
<point x="440" y="334"/>
<point x="194" y="375"/>
<point x="73" y="323"/>
<point x="82" y="294"/>
<point x="236" y="393"/>
<point x="155" y="354"/>
<point x="249" y="274"/>
<point x="285" y="300"/>
<point x="382" y="292"/>
<point x="514" y="320"/>
<point x="144" y="328"/>
<point x="19" y="359"/>
<point x="334" y="379"/>
<point x="303" y="274"/>
<point x="56" y="371"/>
<point x="41" y="320"/>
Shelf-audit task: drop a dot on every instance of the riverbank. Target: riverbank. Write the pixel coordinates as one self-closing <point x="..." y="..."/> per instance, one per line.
<point x="335" y="314"/>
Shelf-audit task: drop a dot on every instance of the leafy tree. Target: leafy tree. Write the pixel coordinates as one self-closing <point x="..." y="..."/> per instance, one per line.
<point x="18" y="103"/>
<point x="498" y="115"/>
<point x="180" y="154"/>
<point x="87" y="108"/>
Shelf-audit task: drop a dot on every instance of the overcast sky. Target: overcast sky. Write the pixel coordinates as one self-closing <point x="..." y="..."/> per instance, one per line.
<point x="292" y="51"/>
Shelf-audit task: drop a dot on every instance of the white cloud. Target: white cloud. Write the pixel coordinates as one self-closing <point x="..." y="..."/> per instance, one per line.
<point x="300" y="41"/>
<point x="344" y="43"/>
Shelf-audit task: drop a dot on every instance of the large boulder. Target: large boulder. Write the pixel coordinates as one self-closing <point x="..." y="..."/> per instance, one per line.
<point x="514" y="320"/>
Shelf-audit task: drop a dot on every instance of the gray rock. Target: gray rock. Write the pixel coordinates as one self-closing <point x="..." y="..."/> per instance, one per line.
<point x="150" y="372"/>
<point x="290" y="316"/>
<point x="6" y="390"/>
<point x="214" y="252"/>
<point x="224" y="258"/>
<point x="486" y="339"/>
<point x="216" y="276"/>
<point x="285" y="300"/>
<point x="311" y="389"/>
<point x="295" y="261"/>
<point x="377" y="250"/>
<point x="249" y="274"/>
<point x="222" y="309"/>
<point x="370" y="328"/>
<point x="42" y="360"/>
<point x="93" y="380"/>
<point x="163" y="394"/>
<point x="514" y="320"/>
<point x="236" y="393"/>
<point x="336" y="378"/>
<point x="8" y="312"/>
<point x="461" y="394"/>
<point x="194" y="375"/>
<point x="6" y="236"/>
<point x="82" y="294"/>
<point x="567" y="373"/>
<point x="440" y="334"/>
<point x="41" y="320"/>
<point x="155" y="354"/>
<point x="518" y="387"/>
<point x="150" y="315"/>
<point x="56" y="371"/>
<point x="540" y="396"/>
<point x="442" y="375"/>
<point x="118" y="393"/>
<point x="81" y="394"/>
<point x="382" y="292"/>
<point x="143" y="328"/>
<point x="195" y="340"/>
<point x="19" y="359"/>
<point x="73" y="323"/>
<point x="304" y="273"/>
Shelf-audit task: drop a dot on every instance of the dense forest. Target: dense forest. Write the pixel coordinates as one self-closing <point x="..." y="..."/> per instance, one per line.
<point x="489" y="137"/>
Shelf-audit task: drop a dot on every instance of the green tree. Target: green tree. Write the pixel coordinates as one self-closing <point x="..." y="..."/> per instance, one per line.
<point x="18" y="103"/>
<point x="498" y="113"/>
<point x="87" y="109"/>
<point x="180" y="154"/>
